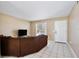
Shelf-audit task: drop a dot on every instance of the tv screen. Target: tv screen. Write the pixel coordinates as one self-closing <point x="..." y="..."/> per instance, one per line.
<point x="22" y="32"/>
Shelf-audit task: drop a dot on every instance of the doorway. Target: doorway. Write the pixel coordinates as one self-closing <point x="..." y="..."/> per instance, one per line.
<point x="60" y="31"/>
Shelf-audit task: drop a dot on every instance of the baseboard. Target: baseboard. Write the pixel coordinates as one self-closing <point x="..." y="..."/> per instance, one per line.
<point x="72" y="50"/>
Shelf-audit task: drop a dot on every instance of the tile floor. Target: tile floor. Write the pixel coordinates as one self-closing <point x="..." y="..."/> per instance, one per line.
<point x="52" y="50"/>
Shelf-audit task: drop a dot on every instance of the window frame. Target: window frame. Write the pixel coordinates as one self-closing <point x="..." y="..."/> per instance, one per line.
<point x="43" y="24"/>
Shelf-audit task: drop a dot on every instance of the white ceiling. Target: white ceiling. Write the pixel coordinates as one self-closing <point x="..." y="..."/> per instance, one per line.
<point x="35" y="10"/>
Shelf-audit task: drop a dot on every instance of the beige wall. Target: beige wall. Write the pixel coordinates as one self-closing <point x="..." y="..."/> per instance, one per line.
<point x="50" y="26"/>
<point x="74" y="29"/>
<point x="9" y="25"/>
<point x="49" y="29"/>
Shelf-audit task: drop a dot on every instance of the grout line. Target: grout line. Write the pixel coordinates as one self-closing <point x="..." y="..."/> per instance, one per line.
<point x="57" y="50"/>
<point x="63" y="50"/>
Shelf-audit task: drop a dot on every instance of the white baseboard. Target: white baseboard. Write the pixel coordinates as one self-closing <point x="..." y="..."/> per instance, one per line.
<point x="72" y="50"/>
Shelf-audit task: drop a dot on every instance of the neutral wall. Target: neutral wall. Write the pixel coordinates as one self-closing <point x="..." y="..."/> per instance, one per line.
<point x="9" y="25"/>
<point x="50" y="26"/>
<point x="74" y="29"/>
<point x="49" y="29"/>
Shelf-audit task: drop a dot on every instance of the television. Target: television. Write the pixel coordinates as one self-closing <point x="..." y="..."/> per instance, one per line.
<point x="22" y="32"/>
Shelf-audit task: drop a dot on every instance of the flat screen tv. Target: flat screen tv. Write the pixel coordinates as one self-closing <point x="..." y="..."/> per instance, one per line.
<point x="22" y="32"/>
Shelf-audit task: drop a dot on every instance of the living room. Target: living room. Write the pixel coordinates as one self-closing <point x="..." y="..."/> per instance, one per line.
<point x="38" y="19"/>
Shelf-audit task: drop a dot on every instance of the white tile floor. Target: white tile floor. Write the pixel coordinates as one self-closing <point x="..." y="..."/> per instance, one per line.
<point x="52" y="50"/>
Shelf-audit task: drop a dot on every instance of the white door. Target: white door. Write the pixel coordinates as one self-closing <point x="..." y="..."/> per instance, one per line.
<point x="60" y="31"/>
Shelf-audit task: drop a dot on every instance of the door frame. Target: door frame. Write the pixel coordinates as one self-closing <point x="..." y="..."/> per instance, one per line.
<point x="67" y="30"/>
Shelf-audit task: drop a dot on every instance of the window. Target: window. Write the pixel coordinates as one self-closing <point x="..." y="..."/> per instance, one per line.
<point x="41" y="28"/>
